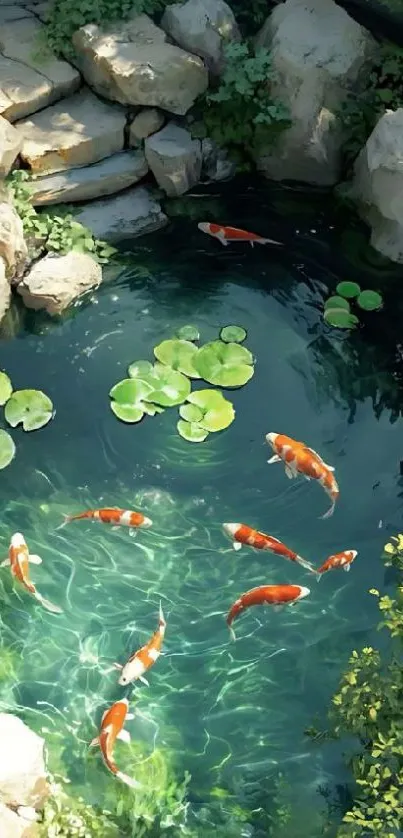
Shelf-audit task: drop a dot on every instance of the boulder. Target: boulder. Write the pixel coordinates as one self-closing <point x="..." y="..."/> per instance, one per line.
<point x="103" y="178"/>
<point x="174" y="159"/>
<point x="377" y="185"/>
<point x="56" y="281"/>
<point x="318" y="55"/>
<point x="12" y="826"/>
<point x="76" y="132"/>
<point x="22" y="766"/>
<point x="132" y="213"/>
<point x="202" y="27"/>
<point x="146" y="122"/>
<point x="5" y="299"/>
<point x="132" y="63"/>
<point x="28" y="80"/>
<point x="10" y="145"/>
<point x="12" y="244"/>
<point x="215" y="163"/>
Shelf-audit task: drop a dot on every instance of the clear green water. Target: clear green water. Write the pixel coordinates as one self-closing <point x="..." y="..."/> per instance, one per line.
<point x="232" y="714"/>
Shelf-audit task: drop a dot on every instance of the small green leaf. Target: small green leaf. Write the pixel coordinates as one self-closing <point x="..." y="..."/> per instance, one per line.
<point x="6" y="388"/>
<point x="188" y="333"/>
<point x="127" y="412"/>
<point x="7" y="449"/>
<point x="138" y="369"/>
<point x="233" y="334"/>
<point x="224" y="364"/>
<point x="179" y="355"/>
<point x="348" y="289"/>
<point x="128" y="399"/>
<point x="30" y="407"/>
<point x="191" y="432"/>
<point x="370" y="300"/>
<point x="337" y="302"/>
<point x="191" y="413"/>
<point x="217" y="411"/>
<point x="340" y="318"/>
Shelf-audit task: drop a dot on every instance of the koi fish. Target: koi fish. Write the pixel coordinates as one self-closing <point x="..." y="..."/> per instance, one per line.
<point x="18" y="560"/>
<point x="266" y="595"/>
<point x="242" y="534"/>
<point x="112" y="728"/>
<point x="299" y="459"/>
<point x="144" y="658"/>
<point x="344" y="560"/>
<point x="232" y="234"/>
<point x="117" y="517"/>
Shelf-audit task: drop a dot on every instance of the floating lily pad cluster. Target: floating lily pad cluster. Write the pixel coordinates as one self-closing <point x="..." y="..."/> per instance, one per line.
<point x="338" y="308"/>
<point x="150" y="388"/>
<point x="30" y="408"/>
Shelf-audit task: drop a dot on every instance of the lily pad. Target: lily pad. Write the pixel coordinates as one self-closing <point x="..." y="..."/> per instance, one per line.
<point x="7" y="449"/>
<point x="188" y="333"/>
<point x="348" y="289"/>
<point x="370" y="300"/>
<point x="340" y="318"/>
<point x="6" y="388"/>
<point x="218" y="412"/>
<point x="30" y="407"/>
<point x="233" y="334"/>
<point x="337" y="302"/>
<point x="190" y="412"/>
<point x="170" y="386"/>
<point x="128" y="399"/>
<point x="191" y="432"/>
<point x="139" y="369"/>
<point x="178" y="354"/>
<point x="224" y="364"/>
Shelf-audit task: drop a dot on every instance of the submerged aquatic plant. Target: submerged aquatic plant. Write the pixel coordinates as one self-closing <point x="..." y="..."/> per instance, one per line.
<point x="70" y="817"/>
<point x="337" y="311"/>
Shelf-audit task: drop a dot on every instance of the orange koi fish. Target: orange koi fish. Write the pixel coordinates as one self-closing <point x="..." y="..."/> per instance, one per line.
<point x="144" y="658"/>
<point x="344" y="560"/>
<point x="117" y="517"/>
<point x="242" y="534"/>
<point x="299" y="459"/>
<point x="112" y="728"/>
<point x="232" y="234"/>
<point x="18" y="560"/>
<point x="266" y="595"/>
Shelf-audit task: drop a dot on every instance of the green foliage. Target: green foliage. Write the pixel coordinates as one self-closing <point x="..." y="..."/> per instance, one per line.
<point x="224" y="364"/>
<point x="337" y="311"/>
<point x="242" y="115"/>
<point x="207" y="412"/>
<point x="31" y="408"/>
<point x="70" y="817"/>
<point x="53" y="233"/>
<point x="7" y="449"/>
<point x="233" y="334"/>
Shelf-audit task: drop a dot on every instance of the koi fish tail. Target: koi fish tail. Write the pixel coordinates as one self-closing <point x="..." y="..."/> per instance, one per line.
<point x="266" y="241"/>
<point x="307" y="565"/>
<point x="329" y="512"/>
<point x="94" y="742"/>
<point x="66" y="520"/>
<point x="161" y="617"/>
<point x="318" y="576"/>
<point x="129" y="781"/>
<point x="232" y="633"/>
<point x="54" y="609"/>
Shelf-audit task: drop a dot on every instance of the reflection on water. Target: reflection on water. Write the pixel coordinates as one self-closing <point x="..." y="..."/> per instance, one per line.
<point x="232" y="713"/>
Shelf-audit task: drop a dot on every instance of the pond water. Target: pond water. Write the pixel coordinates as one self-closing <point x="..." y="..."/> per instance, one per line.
<point x="232" y="714"/>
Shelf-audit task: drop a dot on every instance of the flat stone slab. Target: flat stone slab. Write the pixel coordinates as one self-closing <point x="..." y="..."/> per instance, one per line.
<point x="28" y="81"/>
<point x="76" y="132"/>
<point x="128" y="215"/>
<point x="105" y="178"/>
<point x="9" y="13"/>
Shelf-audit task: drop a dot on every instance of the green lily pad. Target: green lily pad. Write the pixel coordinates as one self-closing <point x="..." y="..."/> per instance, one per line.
<point x="340" y="318"/>
<point x="7" y="449"/>
<point x="6" y="388"/>
<point x="224" y="364"/>
<point x="337" y="302"/>
<point x="30" y="407"/>
<point x="370" y="300"/>
<point x="128" y="398"/>
<point x="178" y="354"/>
<point x="190" y="412"/>
<point x="170" y="386"/>
<point x="188" y="333"/>
<point x="233" y="334"/>
<point x="139" y="369"/>
<point x="218" y="412"/>
<point x="348" y="289"/>
<point x="191" y="432"/>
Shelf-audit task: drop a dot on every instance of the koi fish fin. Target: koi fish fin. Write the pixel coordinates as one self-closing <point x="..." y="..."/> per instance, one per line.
<point x="47" y="604"/>
<point x="329" y="513"/>
<point x="67" y="519"/>
<point x="307" y="565"/>
<point x="94" y="742"/>
<point x="274" y="459"/>
<point x="318" y="576"/>
<point x="116" y="666"/>
<point x="129" y="717"/>
<point x="237" y="545"/>
<point x="252" y="243"/>
<point x="347" y="567"/>
<point x="232" y="633"/>
<point x="35" y="559"/>
<point x="124" y="736"/>
<point x="130" y="781"/>
<point x="306" y="477"/>
<point x="331" y="468"/>
<point x="289" y="472"/>
<point x="161" y="616"/>
<point x="144" y="680"/>
<point x="5" y="563"/>
<point x="267" y="241"/>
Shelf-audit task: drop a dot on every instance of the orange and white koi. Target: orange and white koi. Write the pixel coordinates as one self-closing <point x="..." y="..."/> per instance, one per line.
<point x="142" y="660"/>
<point x="112" y="728"/>
<point x="299" y="459"/>
<point x="232" y="234"/>
<point x="266" y="595"/>
<point x="18" y="560"/>
<point x="343" y="559"/>
<point x="242" y="534"/>
<point x="117" y="517"/>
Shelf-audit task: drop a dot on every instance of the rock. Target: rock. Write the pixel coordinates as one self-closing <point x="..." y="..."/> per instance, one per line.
<point x="378" y="185"/>
<point x="319" y="53"/>
<point x="174" y="159"/>
<point x="22" y="767"/>
<point x="132" y="63"/>
<point x="12" y="826"/>
<point x="12" y="244"/>
<point x="201" y="27"/>
<point x="30" y="80"/>
<point x="145" y="123"/>
<point x="76" y="132"/>
<point x="215" y="163"/>
<point x="55" y="281"/>
<point x="104" y="178"/>
<point x="5" y="299"/>
<point x="10" y="13"/>
<point x="133" y="213"/>
<point x="42" y="10"/>
<point x="10" y="145"/>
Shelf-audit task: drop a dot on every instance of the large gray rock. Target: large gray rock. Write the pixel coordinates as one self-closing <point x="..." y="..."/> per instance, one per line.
<point x="132" y="213"/>
<point x="132" y="63"/>
<point x="56" y="281"/>
<point x="10" y="145"/>
<point x="174" y="158"/>
<point x="12" y="244"/>
<point x="146" y="122"/>
<point x="12" y="826"/>
<point x="76" y="132"/>
<point x="319" y="53"/>
<point x="105" y="178"/>
<point x="378" y="185"/>
<point x="5" y="299"/>
<point x="216" y="165"/>
<point x="202" y="27"/>
<point x="22" y="766"/>
<point x="29" y="81"/>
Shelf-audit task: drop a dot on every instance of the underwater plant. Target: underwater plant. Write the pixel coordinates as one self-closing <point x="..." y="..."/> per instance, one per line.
<point x="337" y="311"/>
<point x="31" y="408"/>
<point x="72" y="817"/>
